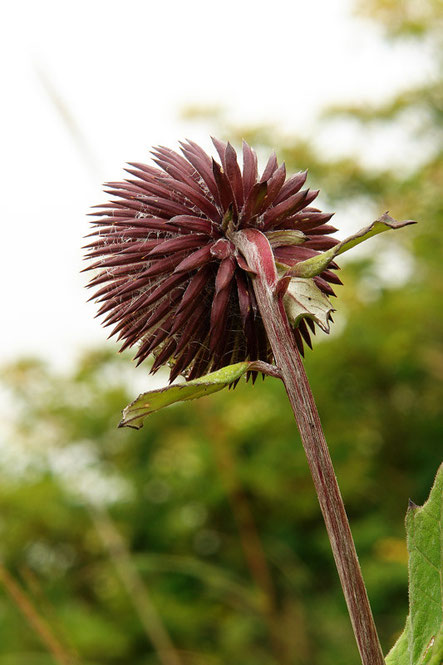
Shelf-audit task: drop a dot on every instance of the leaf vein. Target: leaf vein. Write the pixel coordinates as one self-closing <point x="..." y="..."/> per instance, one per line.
<point x="427" y="559"/>
<point x="426" y="593"/>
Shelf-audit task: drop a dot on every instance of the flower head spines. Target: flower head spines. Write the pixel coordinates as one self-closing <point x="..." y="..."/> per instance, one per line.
<point x="169" y="275"/>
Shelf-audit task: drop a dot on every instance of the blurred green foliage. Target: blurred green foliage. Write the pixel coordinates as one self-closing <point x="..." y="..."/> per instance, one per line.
<point x="213" y="499"/>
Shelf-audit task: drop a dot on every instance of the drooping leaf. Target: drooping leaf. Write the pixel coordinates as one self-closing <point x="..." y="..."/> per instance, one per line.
<point x="303" y="299"/>
<point x="146" y="403"/>
<point x="315" y="265"/>
<point x="421" y="642"/>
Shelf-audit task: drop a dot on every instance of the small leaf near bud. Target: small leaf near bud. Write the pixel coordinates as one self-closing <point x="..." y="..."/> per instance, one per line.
<point x="285" y="237"/>
<point x="154" y="400"/>
<point x="315" y="265"/>
<point x="304" y="300"/>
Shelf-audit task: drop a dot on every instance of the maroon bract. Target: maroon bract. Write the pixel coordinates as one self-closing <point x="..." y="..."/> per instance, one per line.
<point x="170" y="276"/>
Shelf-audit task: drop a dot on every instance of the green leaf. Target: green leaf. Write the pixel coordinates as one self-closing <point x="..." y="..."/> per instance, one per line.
<point x="315" y="265"/>
<point x="436" y="656"/>
<point x="421" y="642"/>
<point x="399" y="654"/>
<point x="285" y="237"/>
<point x="147" y="403"/>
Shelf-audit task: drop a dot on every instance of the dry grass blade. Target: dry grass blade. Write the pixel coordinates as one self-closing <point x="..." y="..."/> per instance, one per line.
<point x="36" y="621"/>
<point x="135" y="587"/>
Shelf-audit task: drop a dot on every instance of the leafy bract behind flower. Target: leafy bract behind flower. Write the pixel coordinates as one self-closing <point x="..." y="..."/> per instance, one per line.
<point x="169" y="275"/>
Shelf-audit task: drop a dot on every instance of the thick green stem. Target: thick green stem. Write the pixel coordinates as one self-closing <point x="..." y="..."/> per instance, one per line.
<point x="289" y="362"/>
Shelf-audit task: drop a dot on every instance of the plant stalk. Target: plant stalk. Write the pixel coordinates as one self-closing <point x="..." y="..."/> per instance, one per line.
<point x="293" y="374"/>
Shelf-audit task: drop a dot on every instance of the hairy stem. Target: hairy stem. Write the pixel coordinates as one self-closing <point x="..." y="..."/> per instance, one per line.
<point x="254" y="247"/>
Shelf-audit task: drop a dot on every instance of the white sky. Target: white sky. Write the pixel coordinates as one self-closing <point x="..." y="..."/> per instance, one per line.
<point x="122" y="71"/>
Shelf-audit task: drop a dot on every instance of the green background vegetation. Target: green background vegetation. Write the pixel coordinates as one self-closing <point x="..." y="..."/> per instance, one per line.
<point x="211" y="503"/>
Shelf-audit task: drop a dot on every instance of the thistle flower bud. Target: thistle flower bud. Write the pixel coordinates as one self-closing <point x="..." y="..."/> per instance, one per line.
<point x="170" y="277"/>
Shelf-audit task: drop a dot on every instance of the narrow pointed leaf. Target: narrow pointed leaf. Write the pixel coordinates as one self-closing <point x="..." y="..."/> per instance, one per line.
<point x="147" y="403"/>
<point x="178" y="244"/>
<point x="315" y="265"/>
<point x="292" y="185"/>
<point x="195" y="260"/>
<point x="270" y="168"/>
<point x="249" y="168"/>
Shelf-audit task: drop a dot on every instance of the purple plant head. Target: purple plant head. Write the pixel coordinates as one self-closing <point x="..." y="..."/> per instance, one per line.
<point x="169" y="275"/>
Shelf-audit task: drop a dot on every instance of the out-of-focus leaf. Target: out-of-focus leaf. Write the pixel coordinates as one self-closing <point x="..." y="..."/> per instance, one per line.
<point x="233" y="590"/>
<point x="421" y="643"/>
<point x="315" y="265"/>
<point x="147" y="403"/>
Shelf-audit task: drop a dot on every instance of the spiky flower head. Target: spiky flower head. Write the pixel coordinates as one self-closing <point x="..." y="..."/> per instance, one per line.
<point x="170" y="277"/>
